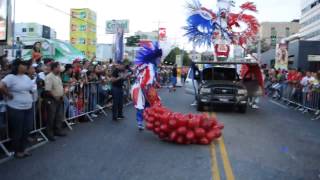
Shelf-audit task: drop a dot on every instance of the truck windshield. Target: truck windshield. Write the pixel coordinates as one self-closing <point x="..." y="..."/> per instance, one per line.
<point x="225" y="74"/>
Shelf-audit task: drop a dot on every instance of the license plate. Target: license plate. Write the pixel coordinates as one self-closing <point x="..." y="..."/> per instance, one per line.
<point x="224" y="100"/>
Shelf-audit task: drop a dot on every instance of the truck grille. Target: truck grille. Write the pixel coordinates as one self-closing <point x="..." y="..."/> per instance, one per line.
<point x="224" y="91"/>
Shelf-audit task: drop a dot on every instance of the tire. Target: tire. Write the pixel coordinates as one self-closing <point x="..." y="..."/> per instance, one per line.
<point x="199" y="107"/>
<point x="242" y="109"/>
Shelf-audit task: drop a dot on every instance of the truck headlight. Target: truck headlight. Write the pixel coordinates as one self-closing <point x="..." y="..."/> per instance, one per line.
<point x="242" y="92"/>
<point x="205" y="90"/>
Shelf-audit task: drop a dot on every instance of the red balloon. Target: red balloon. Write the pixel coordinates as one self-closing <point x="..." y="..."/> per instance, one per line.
<point x="218" y="133"/>
<point x="157" y="124"/>
<point x="221" y="126"/>
<point x="149" y="126"/>
<point x="207" y="125"/>
<point x="157" y="130"/>
<point x="164" y="128"/>
<point x="150" y="119"/>
<point x="211" y="135"/>
<point x="190" y="135"/>
<point x="204" y="141"/>
<point x="197" y="122"/>
<point x="191" y="124"/>
<point x="182" y="131"/>
<point x="173" y="136"/>
<point x="162" y="135"/>
<point x="182" y="121"/>
<point x="200" y="132"/>
<point x="173" y="123"/>
<point x="165" y="118"/>
<point x="180" y="140"/>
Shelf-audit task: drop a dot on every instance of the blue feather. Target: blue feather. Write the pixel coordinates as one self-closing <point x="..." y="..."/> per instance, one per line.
<point x="199" y="30"/>
<point x="148" y="54"/>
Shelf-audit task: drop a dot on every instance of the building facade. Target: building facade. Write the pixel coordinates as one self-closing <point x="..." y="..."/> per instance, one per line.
<point x="152" y="36"/>
<point x="274" y="32"/>
<point x="310" y="20"/>
<point x="34" y="30"/>
<point x="104" y="52"/>
<point x="83" y="28"/>
<point x="303" y="55"/>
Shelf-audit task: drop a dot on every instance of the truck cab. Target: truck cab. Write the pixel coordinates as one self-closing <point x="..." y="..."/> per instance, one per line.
<point x="219" y="85"/>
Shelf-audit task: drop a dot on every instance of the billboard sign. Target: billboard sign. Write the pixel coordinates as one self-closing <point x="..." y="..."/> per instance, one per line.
<point x="113" y="25"/>
<point x="3" y="19"/>
<point x="282" y="57"/>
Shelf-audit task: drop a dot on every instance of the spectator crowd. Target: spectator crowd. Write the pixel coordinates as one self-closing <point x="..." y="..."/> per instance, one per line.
<point x="42" y="93"/>
<point x="298" y="88"/>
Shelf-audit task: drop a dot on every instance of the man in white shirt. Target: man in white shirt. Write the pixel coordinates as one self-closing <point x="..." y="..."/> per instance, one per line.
<point x="306" y="83"/>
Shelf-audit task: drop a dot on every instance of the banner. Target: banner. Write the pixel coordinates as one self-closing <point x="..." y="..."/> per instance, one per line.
<point x="3" y="20"/>
<point x="282" y="57"/>
<point x="162" y="34"/>
<point x="113" y="25"/>
<point x="119" y="46"/>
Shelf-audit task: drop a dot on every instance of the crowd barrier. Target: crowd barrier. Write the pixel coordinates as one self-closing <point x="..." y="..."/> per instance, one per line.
<point x="80" y="101"/>
<point x="307" y="100"/>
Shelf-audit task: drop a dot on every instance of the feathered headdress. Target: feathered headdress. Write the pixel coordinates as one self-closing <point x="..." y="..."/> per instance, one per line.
<point x="149" y="54"/>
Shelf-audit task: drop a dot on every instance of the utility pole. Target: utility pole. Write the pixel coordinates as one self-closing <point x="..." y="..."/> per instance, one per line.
<point x="13" y="27"/>
<point x="259" y="48"/>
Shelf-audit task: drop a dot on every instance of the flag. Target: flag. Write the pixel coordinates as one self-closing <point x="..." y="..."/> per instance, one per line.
<point x="162" y="34"/>
<point x="119" y="45"/>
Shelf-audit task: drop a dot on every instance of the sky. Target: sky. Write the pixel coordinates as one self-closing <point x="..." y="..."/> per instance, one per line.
<point x="144" y="15"/>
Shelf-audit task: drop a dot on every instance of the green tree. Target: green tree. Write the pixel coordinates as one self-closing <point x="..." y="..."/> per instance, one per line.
<point x="171" y="57"/>
<point x="133" y="41"/>
<point x="186" y="59"/>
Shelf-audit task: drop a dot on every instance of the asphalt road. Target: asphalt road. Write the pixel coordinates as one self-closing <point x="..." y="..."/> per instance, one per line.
<point x="272" y="143"/>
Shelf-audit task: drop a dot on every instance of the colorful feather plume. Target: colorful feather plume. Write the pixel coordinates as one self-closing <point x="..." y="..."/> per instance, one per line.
<point x="149" y="54"/>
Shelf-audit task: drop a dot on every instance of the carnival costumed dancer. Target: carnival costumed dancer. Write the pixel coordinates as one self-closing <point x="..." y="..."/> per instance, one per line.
<point x="143" y="91"/>
<point x="222" y="28"/>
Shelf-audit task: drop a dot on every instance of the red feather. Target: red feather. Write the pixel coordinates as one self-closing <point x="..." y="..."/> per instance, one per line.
<point x="249" y="6"/>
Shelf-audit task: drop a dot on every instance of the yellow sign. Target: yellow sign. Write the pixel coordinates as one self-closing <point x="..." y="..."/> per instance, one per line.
<point x="83" y="31"/>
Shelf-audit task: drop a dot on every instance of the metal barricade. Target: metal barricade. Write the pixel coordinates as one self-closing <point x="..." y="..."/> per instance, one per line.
<point x="305" y="101"/>
<point x="81" y="99"/>
<point x="37" y="129"/>
<point x="4" y="135"/>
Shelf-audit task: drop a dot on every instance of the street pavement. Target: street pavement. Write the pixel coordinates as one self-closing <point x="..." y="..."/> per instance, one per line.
<point x="272" y="143"/>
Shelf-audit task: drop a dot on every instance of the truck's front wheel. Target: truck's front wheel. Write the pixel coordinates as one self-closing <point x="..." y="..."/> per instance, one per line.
<point x="242" y="109"/>
<point x="199" y="106"/>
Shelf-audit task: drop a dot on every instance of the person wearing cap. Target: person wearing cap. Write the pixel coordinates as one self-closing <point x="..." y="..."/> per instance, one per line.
<point x="54" y="102"/>
<point x="17" y="88"/>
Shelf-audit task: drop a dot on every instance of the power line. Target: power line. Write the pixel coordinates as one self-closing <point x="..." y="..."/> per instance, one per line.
<point x="70" y="15"/>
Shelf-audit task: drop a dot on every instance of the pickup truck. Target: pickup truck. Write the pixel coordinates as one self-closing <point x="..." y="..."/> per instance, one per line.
<point x="217" y="86"/>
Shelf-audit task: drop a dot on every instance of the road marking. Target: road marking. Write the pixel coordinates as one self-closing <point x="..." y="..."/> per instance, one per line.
<point x="224" y="156"/>
<point x="276" y="103"/>
<point x="225" y="160"/>
<point x="214" y="163"/>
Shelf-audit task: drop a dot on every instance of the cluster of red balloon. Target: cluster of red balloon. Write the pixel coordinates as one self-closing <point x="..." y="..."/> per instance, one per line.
<point x="182" y="129"/>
